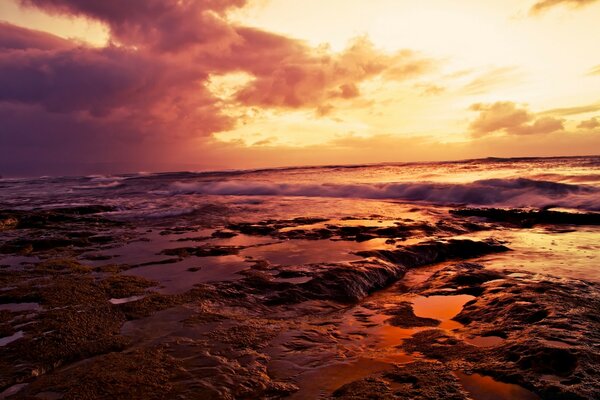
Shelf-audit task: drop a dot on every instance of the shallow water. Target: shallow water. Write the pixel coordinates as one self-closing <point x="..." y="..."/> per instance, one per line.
<point x="572" y="252"/>
<point x="19" y="307"/>
<point x="9" y="339"/>
<point x="182" y="275"/>
<point x="482" y="387"/>
<point x="299" y="251"/>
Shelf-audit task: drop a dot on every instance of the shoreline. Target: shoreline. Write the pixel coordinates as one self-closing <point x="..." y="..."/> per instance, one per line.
<point x="256" y="308"/>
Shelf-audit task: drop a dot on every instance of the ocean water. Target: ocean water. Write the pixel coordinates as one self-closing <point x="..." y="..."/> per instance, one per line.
<point x="566" y="182"/>
<point x="377" y="194"/>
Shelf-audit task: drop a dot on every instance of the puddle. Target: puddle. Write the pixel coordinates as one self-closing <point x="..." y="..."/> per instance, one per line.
<point x="296" y="280"/>
<point x="124" y="300"/>
<point x="482" y="387"/>
<point x="14" y="389"/>
<point x="17" y="262"/>
<point x="302" y="251"/>
<point x="162" y="325"/>
<point x="143" y="250"/>
<point x="242" y="240"/>
<point x="573" y="254"/>
<point x="322" y="381"/>
<point x="177" y="278"/>
<point x="485" y="341"/>
<point x="9" y="339"/>
<point x="341" y="222"/>
<point x="294" y="252"/>
<point x="18" y="307"/>
<point x="442" y="308"/>
<point x="556" y="343"/>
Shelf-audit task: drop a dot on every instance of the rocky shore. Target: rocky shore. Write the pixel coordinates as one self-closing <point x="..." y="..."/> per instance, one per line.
<point x="367" y="306"/>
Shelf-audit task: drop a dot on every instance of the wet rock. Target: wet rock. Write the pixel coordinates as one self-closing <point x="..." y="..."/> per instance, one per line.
<point x="223" y="234"/>
<point x="529" y="218"/>
<point x="418" y="380"/>
<point x="252" y="229"/>
<point x="422" y="380"/>
<point x="55" y="218"/>
<point x="64" y="265"/>
<point x="8" y="222"/>
<point x="343" y="282"/>
<point x="202" y="251"/>
<point x="549" y="326"/>
<point x="149" y="305"/>
<point x="368" y="388"/>
<point x="440" y="345"/>
<point x="403" y="316"/>
<point x="77" y="322"/>
<point x="33" y="245"/>
<point x="463" y="278"/>
<point x="436" y="251"/>
<point x="350" y="282"/>
<point x="248" y="336"/>
<point x="142" y="374"/>
<point x="121" y="286"/>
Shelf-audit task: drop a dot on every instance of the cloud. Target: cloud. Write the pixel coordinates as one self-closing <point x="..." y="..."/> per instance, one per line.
<point x="429" y="89"/>
<point x="572" y="110"/>
<point x="151" y="82"/>
<point x="14" y="37"/>
<point x="595" y="70"/>
<point x="492" y="79"/>
<point x="112" y="84"/>
<point x="290" y="75"/>
<point x="543" y="5"/>
<point x="591" y="123"/>
<point x="508" y="118"/>
<point x="158" y="24"/>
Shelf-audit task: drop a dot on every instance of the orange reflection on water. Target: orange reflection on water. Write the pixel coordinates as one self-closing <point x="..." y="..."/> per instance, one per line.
<point x="441" y="307"/>
<point x="486" y="388"/>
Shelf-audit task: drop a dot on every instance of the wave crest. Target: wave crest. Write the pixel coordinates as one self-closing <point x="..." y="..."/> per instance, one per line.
<point x="518" y="192"/>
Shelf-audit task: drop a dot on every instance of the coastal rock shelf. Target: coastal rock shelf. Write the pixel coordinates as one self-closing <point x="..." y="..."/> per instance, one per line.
<point x="340" y="307"/>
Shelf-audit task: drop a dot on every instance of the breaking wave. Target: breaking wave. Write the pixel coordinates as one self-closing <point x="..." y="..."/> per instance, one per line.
<point x="518" y="192"/>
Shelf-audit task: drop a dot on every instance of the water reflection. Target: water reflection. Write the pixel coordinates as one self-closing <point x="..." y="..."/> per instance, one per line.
<point x="482" y="387"/>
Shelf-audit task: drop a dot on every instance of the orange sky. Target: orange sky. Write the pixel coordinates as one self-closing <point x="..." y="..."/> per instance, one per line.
<point x="230" y="84"/>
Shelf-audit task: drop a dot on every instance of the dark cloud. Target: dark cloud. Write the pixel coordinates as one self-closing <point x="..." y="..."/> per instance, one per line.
<point x="543" y="5"/>
<point x="14" y="37"/>
<point x="510" y="119"/>
<point x="164" y="25"/>
<point x="151" y="80"/>
<point x="111" y="83"/>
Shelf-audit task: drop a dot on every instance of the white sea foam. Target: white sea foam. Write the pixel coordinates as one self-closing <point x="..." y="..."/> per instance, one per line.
<point x="491" y="192"/>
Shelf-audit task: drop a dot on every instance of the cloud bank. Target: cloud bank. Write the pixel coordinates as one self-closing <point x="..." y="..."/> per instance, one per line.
<point x="508" y="118"/>
<point x="151" y="82"/>
<point x="146" y="99"/>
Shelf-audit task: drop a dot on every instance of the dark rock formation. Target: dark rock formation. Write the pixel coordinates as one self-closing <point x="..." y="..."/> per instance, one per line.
<point x="529" y="218"/>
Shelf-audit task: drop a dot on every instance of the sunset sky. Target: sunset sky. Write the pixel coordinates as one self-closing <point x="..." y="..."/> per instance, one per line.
<point x="149" y="85"/>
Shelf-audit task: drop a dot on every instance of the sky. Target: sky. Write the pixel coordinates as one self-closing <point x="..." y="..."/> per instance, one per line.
<point x="154" y="85"/>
